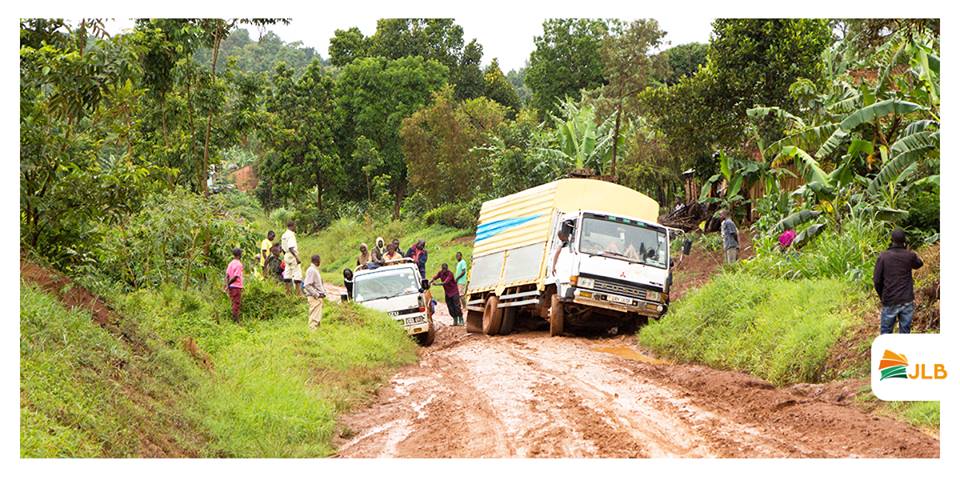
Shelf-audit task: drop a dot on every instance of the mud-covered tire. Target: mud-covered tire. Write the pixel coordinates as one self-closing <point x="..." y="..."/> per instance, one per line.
<point x="474" y="321"/>
<point x="509" y="316"/>
<point x="492" y="316"/>
<point x="426" y="339"/>
<point x="556" y="316"/>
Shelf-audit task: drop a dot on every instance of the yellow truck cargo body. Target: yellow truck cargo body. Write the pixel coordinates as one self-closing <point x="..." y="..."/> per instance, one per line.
<point x="513" y="232"/>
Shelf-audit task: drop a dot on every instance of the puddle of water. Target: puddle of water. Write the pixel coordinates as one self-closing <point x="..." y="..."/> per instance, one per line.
<point x="630" y="354"/>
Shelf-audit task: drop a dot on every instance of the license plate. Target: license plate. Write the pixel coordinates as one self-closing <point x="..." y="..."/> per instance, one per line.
<point x="619" y="299"/>
<point x="412" y="321"/>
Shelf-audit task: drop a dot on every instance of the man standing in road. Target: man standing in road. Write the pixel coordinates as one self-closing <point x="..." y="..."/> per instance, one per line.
<point x="893" y="281"/>
<point x="234" y="283"/>
<point x="451" y="293"/>
<point x="313" y="289"/>
<point x="731" y="244"/>
<point x="460" y="275"/>
<point x="291" y="257"/>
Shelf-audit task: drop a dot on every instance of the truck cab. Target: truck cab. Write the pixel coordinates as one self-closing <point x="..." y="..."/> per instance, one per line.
<point x="397" y="289"/>
<point x="615" y="263"/>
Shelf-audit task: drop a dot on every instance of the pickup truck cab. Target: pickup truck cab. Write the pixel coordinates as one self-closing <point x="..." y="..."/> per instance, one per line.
<point x="396" y="289"/>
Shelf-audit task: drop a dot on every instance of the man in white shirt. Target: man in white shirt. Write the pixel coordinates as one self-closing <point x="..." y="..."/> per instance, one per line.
<point x="291" y="257"/>
<point x="313" y="289"/>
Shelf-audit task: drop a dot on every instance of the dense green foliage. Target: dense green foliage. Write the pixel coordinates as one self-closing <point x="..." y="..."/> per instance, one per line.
<point x="565" y="60"/>
<point x="779" y="330"/>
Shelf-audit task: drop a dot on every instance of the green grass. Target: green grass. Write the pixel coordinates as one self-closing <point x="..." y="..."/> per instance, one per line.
<point x="779" y="330"/>
<point x="339" y="244"/>
<point x="86" y="393"/>
<point x="277" y="393"/>
<point x="274" y="390"/>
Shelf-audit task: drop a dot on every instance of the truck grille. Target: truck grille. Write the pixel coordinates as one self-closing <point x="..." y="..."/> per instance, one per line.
<point x="619" y="289"/>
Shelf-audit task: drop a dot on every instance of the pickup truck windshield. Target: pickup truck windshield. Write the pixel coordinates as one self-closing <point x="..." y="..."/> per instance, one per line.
<point x="385" y="284"/>
<point x="623" y="239"/>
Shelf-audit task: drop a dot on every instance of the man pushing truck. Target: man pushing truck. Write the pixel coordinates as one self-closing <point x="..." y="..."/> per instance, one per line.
<point x="574" y="252"/>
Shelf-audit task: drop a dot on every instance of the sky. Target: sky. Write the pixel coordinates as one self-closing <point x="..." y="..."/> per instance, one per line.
<point x="509" y="39"/>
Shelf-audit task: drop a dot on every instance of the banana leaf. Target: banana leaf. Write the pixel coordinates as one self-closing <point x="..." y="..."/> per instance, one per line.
<point x="795" y="219"/>
<point x="861" y="116"/>
<point x="808" y="234"/>
<point x="909" y="153"/>
<point x="809" y="167"/>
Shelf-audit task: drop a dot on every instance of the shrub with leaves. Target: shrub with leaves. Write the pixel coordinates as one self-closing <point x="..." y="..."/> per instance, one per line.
<point x="178" y="237"/>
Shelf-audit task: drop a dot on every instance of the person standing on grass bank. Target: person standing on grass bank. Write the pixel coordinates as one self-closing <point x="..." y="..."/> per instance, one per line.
<point x="731" y="244"/>
<point x="265" y="246"/>
<point x="292" y="274"/>
<point x="234" y="283"/>
<point x="313" y="289"/>
<point x="460" y="275"/>
<point x="274" y="266"/>
<point x="451" y="293"/>
<point x="893" y="281"/>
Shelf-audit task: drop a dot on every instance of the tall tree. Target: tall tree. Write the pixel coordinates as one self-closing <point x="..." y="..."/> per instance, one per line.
<point x="565" y="60"/>
<point x="439" y="141"/>
<point x="497" y="88"/>
<point x="684" y="60"/>
<point x="347" y="46"/>
<point x="629" y="65"/>
<point x="300" y="133"/>
<point x="373" y="96"/>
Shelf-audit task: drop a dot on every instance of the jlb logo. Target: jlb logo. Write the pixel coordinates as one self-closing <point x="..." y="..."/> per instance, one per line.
<point x="894" y="365"/>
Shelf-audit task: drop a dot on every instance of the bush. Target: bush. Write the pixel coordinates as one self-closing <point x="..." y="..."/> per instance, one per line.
<point x="243" y="204"/>
<point x="780" y="330"/>
<point x="923" y="222"/>
<point x="457" y="215"/>
<point x="280" y="216"/>
<point x="178" y="237"/>
<point x="849" y="254"/>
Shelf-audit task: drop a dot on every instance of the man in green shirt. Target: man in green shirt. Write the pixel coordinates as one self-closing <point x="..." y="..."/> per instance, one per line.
<point x="461" y="277"/>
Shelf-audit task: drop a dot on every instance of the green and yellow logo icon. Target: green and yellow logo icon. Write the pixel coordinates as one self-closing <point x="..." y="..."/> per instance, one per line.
<point x="893" y="365"/>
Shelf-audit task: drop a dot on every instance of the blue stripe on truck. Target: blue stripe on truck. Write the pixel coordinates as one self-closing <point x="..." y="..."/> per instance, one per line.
<point x="489" y="229"/>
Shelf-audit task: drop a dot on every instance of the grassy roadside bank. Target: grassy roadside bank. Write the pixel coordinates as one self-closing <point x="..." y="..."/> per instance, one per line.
<point x="180" y="379"/>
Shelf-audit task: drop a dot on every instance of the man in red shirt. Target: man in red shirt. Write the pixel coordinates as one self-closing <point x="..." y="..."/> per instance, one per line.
<point x="451" y="292"/>
<point x="234" y="284"/>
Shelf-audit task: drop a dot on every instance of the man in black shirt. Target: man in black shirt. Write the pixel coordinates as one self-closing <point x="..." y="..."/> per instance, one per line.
<point x="893" y="280"/>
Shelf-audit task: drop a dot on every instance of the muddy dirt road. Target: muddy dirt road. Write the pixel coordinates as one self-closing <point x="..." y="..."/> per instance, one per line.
<point x="530" y="395"/>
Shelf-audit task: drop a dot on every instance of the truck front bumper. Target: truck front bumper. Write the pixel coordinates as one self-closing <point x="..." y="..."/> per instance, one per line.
<point x="603" y="300"/>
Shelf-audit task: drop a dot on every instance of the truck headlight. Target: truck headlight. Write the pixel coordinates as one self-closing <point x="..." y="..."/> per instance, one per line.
<point x="654" y="296"/>
<point x="585" y="282"/>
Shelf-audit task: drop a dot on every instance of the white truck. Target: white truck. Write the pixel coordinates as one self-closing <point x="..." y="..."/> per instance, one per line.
<point x="574" y="252"/>
<point x="398" y="290"/>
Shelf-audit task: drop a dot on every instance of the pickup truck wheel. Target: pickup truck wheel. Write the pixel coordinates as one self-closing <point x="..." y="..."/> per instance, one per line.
<point x="556" y="316"/>
<point x="426" y="339"/>
<point x="509" y="315"/>
<point x="492" y="316"/>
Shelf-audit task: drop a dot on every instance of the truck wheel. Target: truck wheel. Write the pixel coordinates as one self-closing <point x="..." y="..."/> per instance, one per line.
<point x="474" y="321"/>
<point x="426" y="339"/>
<point x="509" y="315"/>
<point x="556" y="316"/>
<point x="492" y="316"/>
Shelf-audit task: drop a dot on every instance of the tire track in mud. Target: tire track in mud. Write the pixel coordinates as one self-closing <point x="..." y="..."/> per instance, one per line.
<point x="530" y="395"/>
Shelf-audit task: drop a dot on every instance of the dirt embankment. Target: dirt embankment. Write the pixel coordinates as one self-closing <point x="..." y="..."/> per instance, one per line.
<point x="530" y="395"/>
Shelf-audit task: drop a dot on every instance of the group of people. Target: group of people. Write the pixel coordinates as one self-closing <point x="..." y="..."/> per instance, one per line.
<point x="281" y="262"/>
<point x="454" y="282"/>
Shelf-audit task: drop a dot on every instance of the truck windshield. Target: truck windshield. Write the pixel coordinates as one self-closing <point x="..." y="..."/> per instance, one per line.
<point x="385" y="284"/>
<point x="623" y="239"/>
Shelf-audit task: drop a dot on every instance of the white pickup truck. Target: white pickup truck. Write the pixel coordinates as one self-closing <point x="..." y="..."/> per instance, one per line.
<point x="397" y="289"/>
